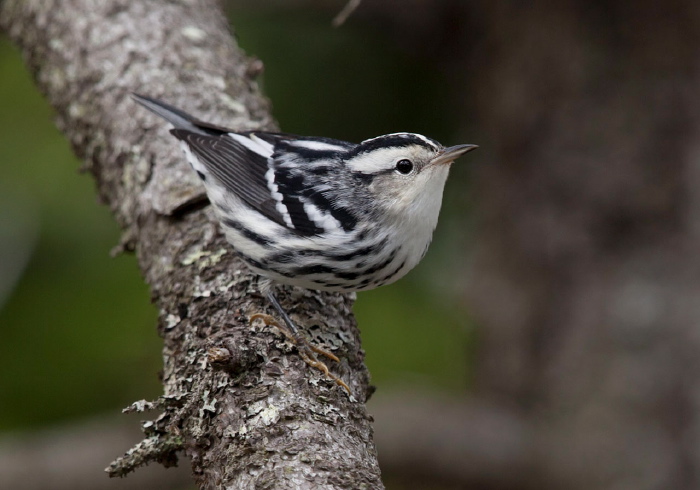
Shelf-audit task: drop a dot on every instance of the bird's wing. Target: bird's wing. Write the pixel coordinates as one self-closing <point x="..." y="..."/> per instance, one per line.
<point x="282" y="176"/>
<point x="265" y="170"/>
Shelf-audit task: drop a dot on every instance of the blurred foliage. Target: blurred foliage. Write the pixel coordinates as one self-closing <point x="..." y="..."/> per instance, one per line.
<point x="350" y="83"/>
<point x="77" y="334"/>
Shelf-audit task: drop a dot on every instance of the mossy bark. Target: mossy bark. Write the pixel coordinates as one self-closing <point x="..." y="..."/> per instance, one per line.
<point x="237" y="398"/>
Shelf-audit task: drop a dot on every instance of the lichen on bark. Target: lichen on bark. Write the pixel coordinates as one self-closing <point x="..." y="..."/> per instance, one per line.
<point x="237" y="399"/>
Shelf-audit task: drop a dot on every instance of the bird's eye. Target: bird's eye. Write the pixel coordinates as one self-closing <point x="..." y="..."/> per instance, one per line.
<point x="404" y="166"/>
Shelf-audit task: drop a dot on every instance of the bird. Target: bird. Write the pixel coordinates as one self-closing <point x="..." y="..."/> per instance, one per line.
<point x="316" y="212"/>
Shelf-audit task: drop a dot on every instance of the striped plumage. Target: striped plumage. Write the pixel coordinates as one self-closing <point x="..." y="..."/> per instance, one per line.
<point x="317" y="212"/>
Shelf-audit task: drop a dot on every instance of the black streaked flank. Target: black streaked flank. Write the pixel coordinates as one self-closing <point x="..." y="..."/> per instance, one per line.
<point x="390" y="275"/>
<point x="372" y="249"/>
<point x="329" y="284"/>
<point x="286" y="257"/>
<point x="381" y="265"/>
<point x="349" y="276"/>
<point x="289" y="257"/>
<point x="247" y="232"/>
<point x="362" y="236"/>
<point x="365" y="282"/>
<point x="262" y="264"/>
<point x="251" y="261"/>
<point x="316" y="269"/>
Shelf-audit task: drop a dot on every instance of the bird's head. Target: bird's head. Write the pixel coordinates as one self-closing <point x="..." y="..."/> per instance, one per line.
<point x="406" y="171"/>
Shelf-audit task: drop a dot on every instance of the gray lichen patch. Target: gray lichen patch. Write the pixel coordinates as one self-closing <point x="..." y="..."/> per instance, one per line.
<point x="88" y="64"/>
<point x="204" y="258"/>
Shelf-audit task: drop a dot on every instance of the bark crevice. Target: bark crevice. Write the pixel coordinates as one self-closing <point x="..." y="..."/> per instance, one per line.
<point x="257" y="415"/>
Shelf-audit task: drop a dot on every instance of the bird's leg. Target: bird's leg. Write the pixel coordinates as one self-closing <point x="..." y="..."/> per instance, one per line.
<point x="293" y="332"/>
<point x="307" y="351"/>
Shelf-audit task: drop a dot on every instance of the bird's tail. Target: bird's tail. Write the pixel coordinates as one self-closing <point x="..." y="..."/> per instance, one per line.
<point x="178" y="118"/>
<point x="174" y="116"/>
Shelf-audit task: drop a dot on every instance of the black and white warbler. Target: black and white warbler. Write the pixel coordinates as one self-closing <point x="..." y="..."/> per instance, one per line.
<point x="318" y="213"/>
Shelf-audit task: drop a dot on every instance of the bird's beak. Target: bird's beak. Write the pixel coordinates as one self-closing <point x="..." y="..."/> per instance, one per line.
<point x="449" y="155"/>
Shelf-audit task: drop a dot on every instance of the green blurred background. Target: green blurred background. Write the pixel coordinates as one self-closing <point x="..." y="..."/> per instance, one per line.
<point x="77" y="330"/>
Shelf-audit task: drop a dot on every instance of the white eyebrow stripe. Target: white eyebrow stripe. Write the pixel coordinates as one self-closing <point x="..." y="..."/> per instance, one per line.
<point x="375" y="161"/>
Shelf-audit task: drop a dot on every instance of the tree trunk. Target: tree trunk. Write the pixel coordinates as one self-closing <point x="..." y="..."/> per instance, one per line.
<point x="237" y="398"/>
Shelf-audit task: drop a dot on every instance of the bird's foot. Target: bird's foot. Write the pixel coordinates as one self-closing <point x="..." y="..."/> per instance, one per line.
<point x="306" y="349"/>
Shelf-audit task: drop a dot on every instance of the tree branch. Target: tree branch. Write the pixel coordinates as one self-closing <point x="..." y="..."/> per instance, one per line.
<point x="429" y="440"/>
<point x="251" y="411"/>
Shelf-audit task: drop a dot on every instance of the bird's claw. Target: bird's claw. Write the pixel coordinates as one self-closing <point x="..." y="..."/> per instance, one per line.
<point x="307" y="351"/>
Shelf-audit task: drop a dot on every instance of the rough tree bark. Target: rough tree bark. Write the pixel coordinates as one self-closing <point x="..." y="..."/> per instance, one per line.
<point x="237" y="399"/>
